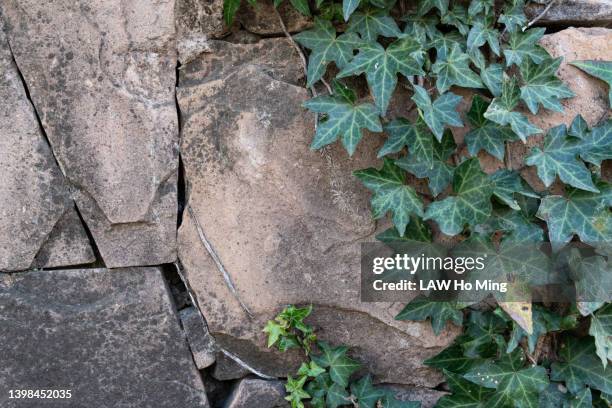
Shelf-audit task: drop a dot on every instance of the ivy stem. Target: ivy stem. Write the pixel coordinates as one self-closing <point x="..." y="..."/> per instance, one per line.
<point x="539" y="16"/>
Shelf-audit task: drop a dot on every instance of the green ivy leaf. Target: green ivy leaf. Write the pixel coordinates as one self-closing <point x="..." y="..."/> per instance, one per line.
<point x="485" y="134"/>
<point x="439" y="112"/>
<point x="391" y="194"/>
<point x="444" y="43"/>
<point x="439" y="173"/>
<point x="424" y="6"/>
<point x="340" y="366"/>
<point x="370" y="23"/>
<point x="326" y="47"/>
<point x="482" y="33"/>
<point x="230" y="7"/>
<point x="367" y="396"/>
<point x="453" y="68"/>
<point x="344" y="92"/>
<point x="513" y="16"/>
<point x="452" y="359"/>
<point x="295" y="389"/>
<point x="500" y="111"/>
<point x="524" y="45"/>
<point x="598" y="69"/>
<point x="421" y="28"/>
<point x="492" y="75"/>
<point x="601" y="330"/>
<point x="484" y="335"/>
<point x="507" y="184"/>
<point x="416" y="137"/>
<point x="596" y="145"/>
<point x="318" y="389"/>
<point x="580" y="367"/>
<point x="381" y="67"/>
<point x="348" y="7"/>
<point x="416" y="230"/>
<point x="515" y="225"/>
<point x="421" y="308"/>
<point x="389" y="401"/>
<point x="581" y="213"/>
<point x="274" y="331"/>
<point x="479" y="6"/>
<point x="582" y="400"/>
<point x="592" y="280"/>
<point x="301" y="6"/>
<point x="457" y="17"/>
<point x="310" y="369"/>
<point x="542" y="87"/>
<point x="337" y="396"/>
<point x="514" y="385"/>
<point x="559" y="157"/>
<point x="465" y="394"/>
<point x="543" y="322"/>
<point x="470" y="206"/>
<point x="344" y="120"/>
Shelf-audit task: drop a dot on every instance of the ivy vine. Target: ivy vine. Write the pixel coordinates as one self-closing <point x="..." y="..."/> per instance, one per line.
<point x="507" y="356"/>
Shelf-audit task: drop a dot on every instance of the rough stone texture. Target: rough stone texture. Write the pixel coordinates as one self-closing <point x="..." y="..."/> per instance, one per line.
<point x="261" y="18"/>
<point x="573" y="12"/>
<point x="255" y="392"/>
<point x="285" y="221"/>
<point x="102" y="75"/>
<point x="197" y="21"/>
<point x="39" y="226"/>
<point x="201" y="343"/>
<point x="226" y="369"/>
<point x="111" y="337"/>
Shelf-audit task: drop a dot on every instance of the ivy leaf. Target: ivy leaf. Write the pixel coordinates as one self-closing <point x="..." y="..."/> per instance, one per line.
<point x="559" y="157"/>
<point x="465" y="394"/>
<point x="524" y="45"/>
<point x="513" y="16"/>
<point x="371" y="23"/>
<point x="336" y="361"/>
<point x="391" y="194"/>
<point x="425" y="5"/>
<point x="470" y="206"/>
<point x="491" y="75"/>
<point x="542" y="86"/>
<point x="592" y="280"/>
<point x="421" y="308"/>
<point x="479" y="6"/>
<point x="457" y="17"/>
<point x="367" y="396"/>
<point x="310" y="369"/>
<point x="452" y="359"/>
<point x="485" y="134"/>
<point x="301" y="6"/>
<point x="318" y="389"/>
<point x="580" y="212"/>
<point x="507" y="184"/>
<point x="230" y="7"/>
<point x="348" y="7"/>
<point x="482" y="33"/>
<point x="381" y="67"/>
<point x="512" y="383"/>
<point x="583" y="399"/>
<point x="484" y="335"/>
<point x="444" y="43"/>
<point x="601" y="330"/>
<point x="441" y="111"/>
<point x="596" y="145"/>
<point x="389" y="401"/>
<point x="416" y="230"/>
<point x="579" y="127"/>
<point x="274" y="331"/>
<point x="326" y="47"/>
<point x="296" y="391"/>
<point x="421" y="28"/>
<point x="598" y="69"/>
<point x="580" y="367"/>
<point x="500" y="111"/>
<point x="515" y="226"/>
<point x="543" y="322"/>
<point x="337" y="396"/>
<point x="453" y="68"/>
<point x="439" y="174"/>
<point x="344" y="120"/>
<point x="416" y="137"/>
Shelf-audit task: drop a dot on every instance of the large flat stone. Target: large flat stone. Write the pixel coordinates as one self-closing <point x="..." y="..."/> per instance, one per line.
<point x="285" y="221"/>
<point x="39" y="226"/>
<point x="111" y="337"/>
<point x="573" y="12"/>
<point x="101" y="76"/>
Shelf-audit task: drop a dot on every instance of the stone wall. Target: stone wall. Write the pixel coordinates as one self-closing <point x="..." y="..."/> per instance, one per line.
<point x="155" y="161"/>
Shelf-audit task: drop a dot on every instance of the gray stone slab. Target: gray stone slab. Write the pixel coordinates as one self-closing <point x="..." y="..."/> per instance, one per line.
<point x="255" y="392"/>
<point x="101" y="75"/>
<point x="201" y="343"/>
<point x="39" y="226"/>
<point x="110" y="336"/>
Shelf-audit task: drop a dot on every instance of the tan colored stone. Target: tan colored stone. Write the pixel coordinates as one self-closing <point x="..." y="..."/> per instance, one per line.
<point x="261" y="19"/>
<point x="102" y="76"/>
<point x="285" y="221"/>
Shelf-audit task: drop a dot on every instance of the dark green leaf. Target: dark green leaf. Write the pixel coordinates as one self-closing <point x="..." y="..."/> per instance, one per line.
<point x="581" y="400"/>
<point x="457" y="17"/>
<point x="485" y="134"/>
<point x="513" y="16"/>
<point x="542" y="86"/>
<point x="391" y="194"/>
<point x="592" y="279"/>
<point x="296" y="391"/>
<point x="344" y="92"/>
<point x="479" y="6"/>
<point x="482" y="33"/>
<point x="416" y="137"/>
<point x="601" y="330"/>
<point x="422" y="308"/>
<point x="425" y="5"/>
<point x="465" y="394"/>
<point x="339" y="365"/>
<point x="599" y="69"/>
<point x="230" y="7"/>
<point x="421" y="28"/>
<point x="337" y="396"/>
<point x="453" y="68"/>
<point x="348" y="7"/>
<point x="366" y="394"/>
<point x="524" y="45"/>
<point x="452" y="359"/>
<point x="507" y="184"/>
<point x="417" y="230"/>
<point x="344" y="120"/>
<point x="301" y="6"/>
<point x="371" y="23"/>
<point x="596" y="145"/>
<point x="439" y="112"/>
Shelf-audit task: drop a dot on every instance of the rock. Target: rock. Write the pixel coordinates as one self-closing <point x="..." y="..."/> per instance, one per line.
<point x="261" y="19"/>
<point x="226" y="369"/>
<point x="101" y="76"/>
<point x="255" y="392"/>
<point x="39" y="226"/>
<point x="111" y="337"/>
<point x="197" y="21"/>
<point x="573" y="12"/>
<point x="201" y="343"/>
<point x="284" y="220"/>
<point x="426" y="396"/>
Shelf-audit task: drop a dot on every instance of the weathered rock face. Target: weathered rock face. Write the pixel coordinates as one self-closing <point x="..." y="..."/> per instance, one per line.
<point x="201" y="343"/>
<point x="197" y="21"/>
<point x="255" y="392"/>
<point x="576" y="12"/>
<point x="285" y="221"/>
<point x="101" y="76"/>
<point x="39" y="226"/>
<point x="111" y="337"/>
<point x="261" y="18"/>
